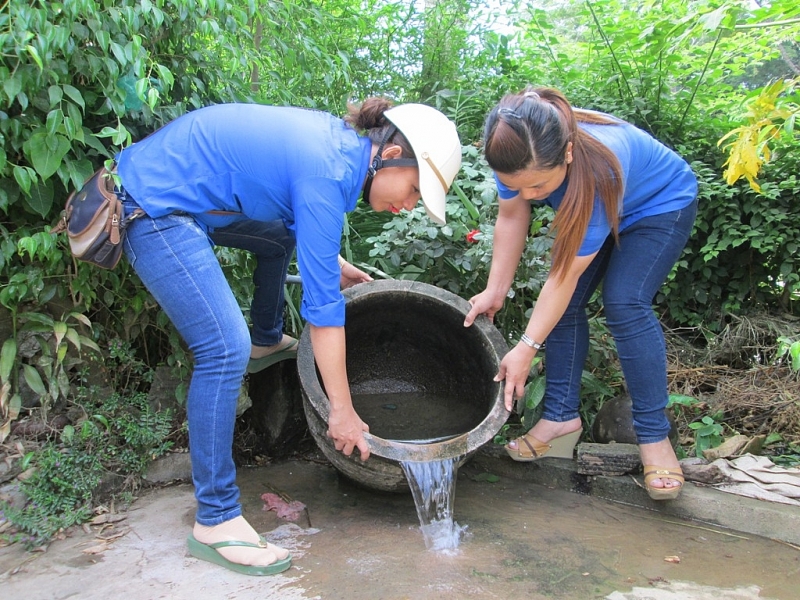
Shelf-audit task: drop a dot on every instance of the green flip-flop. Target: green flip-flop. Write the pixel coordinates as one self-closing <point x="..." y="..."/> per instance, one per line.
<point x="259" y="364"/>
<point x="209" y="552"/>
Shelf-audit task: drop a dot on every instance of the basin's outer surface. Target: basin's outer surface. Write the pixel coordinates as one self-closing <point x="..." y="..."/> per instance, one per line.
<point x="405" y="336"/>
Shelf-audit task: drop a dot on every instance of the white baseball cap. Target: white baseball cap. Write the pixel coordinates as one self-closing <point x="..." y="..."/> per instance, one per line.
<point x="434" y="139"/>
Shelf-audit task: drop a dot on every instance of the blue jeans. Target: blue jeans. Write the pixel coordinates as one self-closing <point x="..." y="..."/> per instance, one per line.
<point x="273" y="245"/>
<point x="176" y="262"/>
<point x="632" y="272"/>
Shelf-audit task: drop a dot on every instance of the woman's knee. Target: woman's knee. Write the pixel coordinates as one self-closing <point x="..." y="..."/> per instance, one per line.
<point x="227" y="342"/>
<point x="628" y="314"/>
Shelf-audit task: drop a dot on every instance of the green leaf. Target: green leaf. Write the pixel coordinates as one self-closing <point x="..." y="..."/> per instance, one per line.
<point x="34" y="54"/>
<point x="61" y="354"/>
<point x="63" y="382"/>
<point x="471" y="209"/>
<point x="54" y="120"/>
<point x="68" y="434"/>
<point x="59" y="330"/>
<point x="24" y="178"/>
<point x="14" y="406"/>
<point x="119" y="53"/>
<point x="7" y="357"/>
<point x="534" y="393"/>
<point x="41" y="198"/>
<point x="681" y="400"/>
<point x="90" y="344"/>
<point x="12" y="87"/>
<point x="46" y="152"/>
<point x="34" y="380"/>
<point x="794" y="351"/>
<point x="772" y="438"/>
<point x="81" y="318"/>
<point x="74" y="95"/>
<point x="41" y="319"/>
<point x="29" y="245"/>
<point x="55" y="93"/>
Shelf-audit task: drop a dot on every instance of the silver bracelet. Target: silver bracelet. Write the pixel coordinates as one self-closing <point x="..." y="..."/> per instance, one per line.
<point x="529" y="342"/>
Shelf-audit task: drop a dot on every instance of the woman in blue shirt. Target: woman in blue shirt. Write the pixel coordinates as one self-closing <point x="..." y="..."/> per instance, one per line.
<point x="625" y="206"/>
<point x="267" y="179"/>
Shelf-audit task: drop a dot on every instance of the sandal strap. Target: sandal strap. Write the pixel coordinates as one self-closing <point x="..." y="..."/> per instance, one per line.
<point x="262" y="544"/>
<point x="543" y="448"/>
<point x="651" y="472"/>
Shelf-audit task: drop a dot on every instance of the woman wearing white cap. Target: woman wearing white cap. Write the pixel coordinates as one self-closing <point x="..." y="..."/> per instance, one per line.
<point x="289" y="175"/>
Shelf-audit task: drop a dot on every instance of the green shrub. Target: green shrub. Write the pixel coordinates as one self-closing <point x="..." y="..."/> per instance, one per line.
<point x="119" y="435"/>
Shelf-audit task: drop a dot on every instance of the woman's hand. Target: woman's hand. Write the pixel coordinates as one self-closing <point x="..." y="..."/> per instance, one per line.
<point x="352" y="275"/>
<point x="346" y="429"/>
<point x="514" y="369"/>
<point x="484" y="303"/>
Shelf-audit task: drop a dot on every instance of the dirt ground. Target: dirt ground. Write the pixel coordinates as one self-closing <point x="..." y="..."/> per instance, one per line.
<point x="522" y="541"/>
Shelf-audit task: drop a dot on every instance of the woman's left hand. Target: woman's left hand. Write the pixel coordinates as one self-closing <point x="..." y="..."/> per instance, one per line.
<point x="352" y="276"/>
<point x="514" y="369"/>
<point x="346" y="429"/>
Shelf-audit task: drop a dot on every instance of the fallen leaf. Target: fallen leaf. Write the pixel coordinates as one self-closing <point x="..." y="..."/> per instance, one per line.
<point x="290" y="511"/>
<point x="113" y="536"/>
<point x="108" y="518"/>
<point x="672" y="559"/>
<point x="96" y="549"/>
<point x="26" y="474"/>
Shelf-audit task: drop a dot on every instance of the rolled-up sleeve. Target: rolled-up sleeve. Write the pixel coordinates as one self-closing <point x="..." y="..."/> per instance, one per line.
<point x="319" y="207"/>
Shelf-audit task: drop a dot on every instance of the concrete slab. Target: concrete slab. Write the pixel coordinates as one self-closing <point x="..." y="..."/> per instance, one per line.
<point x="696" y="503"/>
<point x="524" y="539"/>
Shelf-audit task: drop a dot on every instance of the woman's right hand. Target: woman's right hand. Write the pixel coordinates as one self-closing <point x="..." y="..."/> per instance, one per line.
<point x="514" y="370"/>
<point x="484" y="303"/>
<point x="346" y="429"/>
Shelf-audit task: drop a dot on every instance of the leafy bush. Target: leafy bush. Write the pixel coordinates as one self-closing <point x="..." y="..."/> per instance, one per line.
<point x="59" y="494"/>
<point x="743" y="254"/>
<point x="119" y="435"/>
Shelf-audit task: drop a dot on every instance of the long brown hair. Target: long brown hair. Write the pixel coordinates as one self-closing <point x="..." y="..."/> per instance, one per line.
<point x="532" y="130"/>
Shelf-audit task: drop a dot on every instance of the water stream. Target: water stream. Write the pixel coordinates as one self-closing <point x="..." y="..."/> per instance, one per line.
<point x="420" y="418"/>
<point x="433" y="485"/>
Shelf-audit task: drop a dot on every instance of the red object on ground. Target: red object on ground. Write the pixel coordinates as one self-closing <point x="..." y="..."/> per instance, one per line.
<point x="290" y="511"/>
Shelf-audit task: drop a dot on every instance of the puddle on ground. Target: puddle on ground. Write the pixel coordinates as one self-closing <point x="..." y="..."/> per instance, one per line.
<point x="521" y="541"/>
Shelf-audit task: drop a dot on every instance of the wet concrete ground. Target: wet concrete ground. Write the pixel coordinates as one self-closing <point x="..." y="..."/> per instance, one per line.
<point x="523" y="541"/>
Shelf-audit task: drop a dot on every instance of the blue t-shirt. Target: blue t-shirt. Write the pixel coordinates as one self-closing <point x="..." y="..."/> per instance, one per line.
<point x="656" y="181"/>
<point x="301" y="166"/>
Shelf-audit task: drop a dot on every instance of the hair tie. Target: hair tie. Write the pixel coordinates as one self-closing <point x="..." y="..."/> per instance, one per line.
<point x="510" y="112"/>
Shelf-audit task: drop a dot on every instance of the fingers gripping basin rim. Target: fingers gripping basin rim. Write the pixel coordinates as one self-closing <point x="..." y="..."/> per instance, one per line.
<point x="434" y="139"/>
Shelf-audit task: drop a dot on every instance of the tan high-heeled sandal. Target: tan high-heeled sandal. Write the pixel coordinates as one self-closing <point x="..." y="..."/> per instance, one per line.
<point x="652" y="472"/>
<point x="529" y="448"/>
